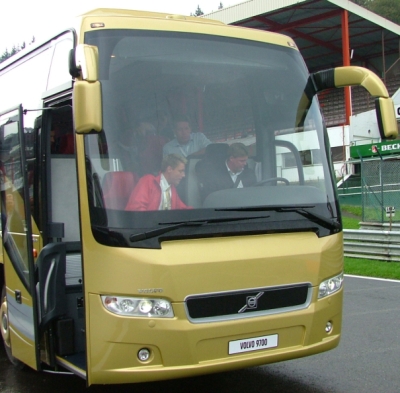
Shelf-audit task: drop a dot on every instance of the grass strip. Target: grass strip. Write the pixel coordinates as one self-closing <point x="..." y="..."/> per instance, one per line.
<point x="351" y="223"/>
<point x="372" y="268"/>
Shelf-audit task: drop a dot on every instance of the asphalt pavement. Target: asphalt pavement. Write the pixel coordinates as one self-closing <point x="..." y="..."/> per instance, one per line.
<point x="367" y="359"/>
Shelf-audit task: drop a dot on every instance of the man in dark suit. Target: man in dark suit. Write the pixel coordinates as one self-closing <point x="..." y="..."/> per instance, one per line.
<point x="229" y="173"/>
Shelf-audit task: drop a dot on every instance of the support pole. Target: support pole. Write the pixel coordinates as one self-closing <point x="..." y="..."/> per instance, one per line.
<point x="383" y="58"/>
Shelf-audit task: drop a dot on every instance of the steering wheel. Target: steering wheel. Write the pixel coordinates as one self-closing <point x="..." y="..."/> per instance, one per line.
<point x="272" y="179"/>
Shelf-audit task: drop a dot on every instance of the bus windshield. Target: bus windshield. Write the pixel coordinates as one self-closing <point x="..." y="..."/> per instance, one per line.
<point x="205" y="136"/>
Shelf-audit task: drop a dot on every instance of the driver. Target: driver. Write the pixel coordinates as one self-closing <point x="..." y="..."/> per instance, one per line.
<point x="231" y="173"/>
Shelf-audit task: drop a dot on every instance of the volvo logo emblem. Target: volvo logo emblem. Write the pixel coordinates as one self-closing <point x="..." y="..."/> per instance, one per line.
<point x="251" y="302"/>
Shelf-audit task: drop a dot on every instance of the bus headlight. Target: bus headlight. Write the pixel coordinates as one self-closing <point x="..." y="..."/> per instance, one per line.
<point x="138" y="307"/>
<point x="330" y="286"/>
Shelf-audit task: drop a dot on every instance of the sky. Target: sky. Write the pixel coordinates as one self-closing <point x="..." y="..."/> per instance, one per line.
<point x="20" y="20"/>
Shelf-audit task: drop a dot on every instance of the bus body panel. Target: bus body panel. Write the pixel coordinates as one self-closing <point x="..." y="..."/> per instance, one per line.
<point x="232" y="263"/>
<point x="20" y="316"/>
<point x="181" y="349"/>
<point x="19" y="306"/>
<point x="183" y="268"/>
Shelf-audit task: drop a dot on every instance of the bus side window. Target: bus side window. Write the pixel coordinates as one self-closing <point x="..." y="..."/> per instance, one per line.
<point x="64" y="196"/>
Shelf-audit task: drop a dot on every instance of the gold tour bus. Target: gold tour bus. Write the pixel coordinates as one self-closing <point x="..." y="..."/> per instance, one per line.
<point x="100" y="274"/>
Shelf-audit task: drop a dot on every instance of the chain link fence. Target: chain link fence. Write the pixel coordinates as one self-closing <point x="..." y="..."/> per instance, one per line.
<point x="380" y="184"/>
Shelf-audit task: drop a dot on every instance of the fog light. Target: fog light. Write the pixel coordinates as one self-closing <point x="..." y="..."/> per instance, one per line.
<point x="328" y="327"/>
<point x="144" y="355"/>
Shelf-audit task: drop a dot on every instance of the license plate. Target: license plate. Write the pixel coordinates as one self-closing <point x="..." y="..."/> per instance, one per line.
<point x="253" y="344"/>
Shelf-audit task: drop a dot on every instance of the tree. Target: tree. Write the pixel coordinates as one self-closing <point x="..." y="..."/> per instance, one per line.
<point x="362" y="3"/>
<point x="198" y="11"/>
<point x="5" y="55"/>
<point x="389" y="9"/>
<point x="14" y="50"/>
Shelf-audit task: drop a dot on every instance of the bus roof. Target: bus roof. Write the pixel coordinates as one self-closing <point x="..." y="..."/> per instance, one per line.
<point x="145" y="20"/>
<point x="122" y="19"/>
<point x="148" y="14"/>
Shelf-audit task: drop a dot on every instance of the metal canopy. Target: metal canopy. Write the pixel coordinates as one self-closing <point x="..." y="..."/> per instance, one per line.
<point x="318" y="30"/>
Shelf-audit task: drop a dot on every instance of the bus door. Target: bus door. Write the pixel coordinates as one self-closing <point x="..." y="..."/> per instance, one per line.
<point x="18" y="306"/>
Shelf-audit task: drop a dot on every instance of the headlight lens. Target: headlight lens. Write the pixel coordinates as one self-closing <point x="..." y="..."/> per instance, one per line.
<point x="330" y="286"/>
<point x="138" y="307"/>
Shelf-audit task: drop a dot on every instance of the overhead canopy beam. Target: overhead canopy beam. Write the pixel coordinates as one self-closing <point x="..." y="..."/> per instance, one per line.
<point x="288" y="27"/>
<point x="306" y="21"/>
<point x="270" y="23"/>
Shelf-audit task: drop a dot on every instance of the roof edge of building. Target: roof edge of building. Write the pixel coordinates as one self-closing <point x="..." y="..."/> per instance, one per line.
<point x="250" y="8"/>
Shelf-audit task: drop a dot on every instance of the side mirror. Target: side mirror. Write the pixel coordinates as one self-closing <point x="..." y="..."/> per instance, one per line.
<point x="87" y="102"/>
<point x="359" y="76"/>
<point x="386" y="117"/>
<point x="87" y="107"/>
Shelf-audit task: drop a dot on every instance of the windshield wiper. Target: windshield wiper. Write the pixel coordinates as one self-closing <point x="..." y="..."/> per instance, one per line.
<point x="323" y="221"/>
<point x="178" y="224"/>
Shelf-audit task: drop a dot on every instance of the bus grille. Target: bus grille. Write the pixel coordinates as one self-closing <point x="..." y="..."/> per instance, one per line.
<point x="243" y="304"/>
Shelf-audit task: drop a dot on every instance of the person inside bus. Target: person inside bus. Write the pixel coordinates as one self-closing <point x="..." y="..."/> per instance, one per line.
<point x="185" y="143"/>
<point x="159" y="192"/>
<point x="164" y="127"/>
<point x="232" y="172"/>
<point x="141" y="149"/>
<point x="60" y="142"/>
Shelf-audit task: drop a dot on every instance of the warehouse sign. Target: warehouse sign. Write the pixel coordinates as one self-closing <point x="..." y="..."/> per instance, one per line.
<point x="375" y="149"/>
<point x="397" y="110"/>
<point x="393" y="146"/>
